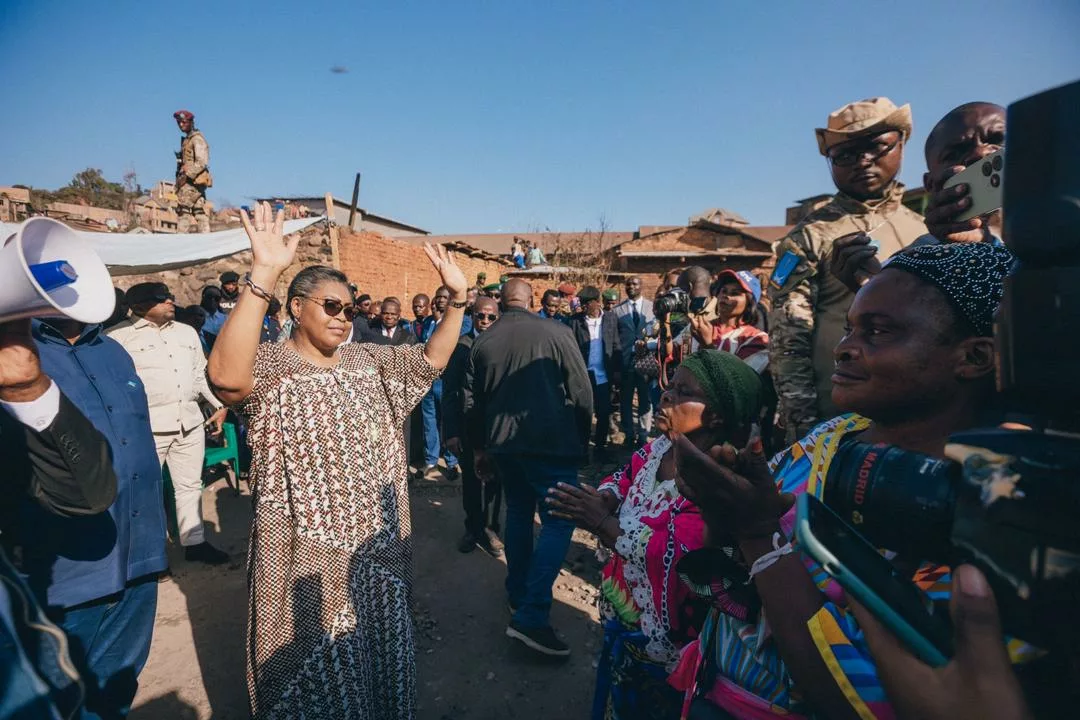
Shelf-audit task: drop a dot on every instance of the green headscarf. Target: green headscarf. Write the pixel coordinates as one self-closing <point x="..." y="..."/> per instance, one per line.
<point x="732" y="388"/>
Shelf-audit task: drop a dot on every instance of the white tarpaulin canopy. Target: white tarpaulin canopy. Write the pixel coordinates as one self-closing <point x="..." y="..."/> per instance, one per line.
<point x="148" y="251"/>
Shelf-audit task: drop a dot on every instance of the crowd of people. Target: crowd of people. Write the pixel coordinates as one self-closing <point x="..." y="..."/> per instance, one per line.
<point x="876" y="325"/>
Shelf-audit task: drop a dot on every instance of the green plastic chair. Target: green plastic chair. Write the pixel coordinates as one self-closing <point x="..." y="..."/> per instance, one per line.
<point x="229" y="453"/>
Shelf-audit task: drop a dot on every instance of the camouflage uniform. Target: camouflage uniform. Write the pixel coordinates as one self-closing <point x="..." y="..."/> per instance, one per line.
<point x="192" y="164"/>
<point x="810" y="310"/>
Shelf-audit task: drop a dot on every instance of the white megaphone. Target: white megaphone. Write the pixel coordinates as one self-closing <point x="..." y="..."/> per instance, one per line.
<point x="46" y="270"/>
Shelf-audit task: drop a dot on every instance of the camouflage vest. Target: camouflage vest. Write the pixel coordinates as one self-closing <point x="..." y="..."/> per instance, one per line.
<point x="888" y="221"/>
<point x="187" y="155"/>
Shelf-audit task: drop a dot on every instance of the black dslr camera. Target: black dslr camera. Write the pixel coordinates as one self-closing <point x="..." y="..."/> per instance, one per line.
<point x="1010" y="506"/>
<point x="675" y="300"/>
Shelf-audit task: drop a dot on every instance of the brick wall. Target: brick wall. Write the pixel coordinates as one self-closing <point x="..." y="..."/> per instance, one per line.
<point x="381" y="266"/>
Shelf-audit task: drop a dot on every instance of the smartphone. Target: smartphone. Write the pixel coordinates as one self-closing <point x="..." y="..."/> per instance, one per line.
<point x="872" y="580"/>
<point x="985" y="180"/>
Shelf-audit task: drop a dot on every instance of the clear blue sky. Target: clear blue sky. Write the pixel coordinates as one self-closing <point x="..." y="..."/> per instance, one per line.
<point x="504" y="115"/>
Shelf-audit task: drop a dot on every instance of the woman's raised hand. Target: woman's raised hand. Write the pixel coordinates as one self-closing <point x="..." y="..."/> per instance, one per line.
<point x="269" y="248"/>
<point x="451" y="274"/>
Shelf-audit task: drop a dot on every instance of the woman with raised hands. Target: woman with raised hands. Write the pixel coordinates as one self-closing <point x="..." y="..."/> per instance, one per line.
<point x="329" y="629"/>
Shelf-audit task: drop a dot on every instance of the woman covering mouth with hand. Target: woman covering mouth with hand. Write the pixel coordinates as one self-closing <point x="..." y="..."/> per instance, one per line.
<point x="647" y="612"/>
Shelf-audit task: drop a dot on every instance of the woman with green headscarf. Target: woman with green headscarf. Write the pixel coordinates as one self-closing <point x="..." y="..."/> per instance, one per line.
<point x="647" y="612"/>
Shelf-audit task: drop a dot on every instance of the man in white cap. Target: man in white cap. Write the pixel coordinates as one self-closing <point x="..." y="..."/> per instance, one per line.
<point x="864" y="144"/>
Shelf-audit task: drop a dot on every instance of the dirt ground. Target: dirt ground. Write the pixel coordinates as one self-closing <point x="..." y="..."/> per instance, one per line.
<point x="467" y="668"/>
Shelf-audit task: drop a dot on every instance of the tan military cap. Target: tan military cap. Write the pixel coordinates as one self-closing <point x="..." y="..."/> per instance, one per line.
<point x="866" y="117"/>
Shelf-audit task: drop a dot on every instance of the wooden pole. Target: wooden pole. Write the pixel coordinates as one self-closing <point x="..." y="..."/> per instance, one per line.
<point x="355" y="199"/>
<point x="335" y="259"/>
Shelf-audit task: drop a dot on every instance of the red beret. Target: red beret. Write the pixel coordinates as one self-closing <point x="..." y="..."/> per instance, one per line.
<point x="567" y="288"/>
<point x="183" y="115"/>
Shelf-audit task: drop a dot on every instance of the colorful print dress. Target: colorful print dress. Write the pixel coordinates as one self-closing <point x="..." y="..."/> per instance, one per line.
<point x="646" y="611"/>
<point x="329" y="566"/>
<point x="744" y="672"/>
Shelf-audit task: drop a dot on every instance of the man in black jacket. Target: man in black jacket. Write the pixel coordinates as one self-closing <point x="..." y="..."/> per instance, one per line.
<point x="597" y="335"/>
<point x="476" y="496"/>
<point x="528" y="410"/>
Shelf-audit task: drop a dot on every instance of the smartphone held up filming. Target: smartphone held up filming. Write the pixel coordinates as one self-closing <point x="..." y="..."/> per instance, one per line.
<point x="873" y="581"/>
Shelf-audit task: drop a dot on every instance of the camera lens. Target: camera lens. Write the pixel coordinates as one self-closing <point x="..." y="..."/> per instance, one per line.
<point x="987" y="168"/>
<point x="902" y="501"/>
<point x="998" y="162"/>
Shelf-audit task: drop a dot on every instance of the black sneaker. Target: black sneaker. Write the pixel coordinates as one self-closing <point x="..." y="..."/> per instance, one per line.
<point x="490" y="543"/>
<point x="206" y="553"/>
<point x="541" y="639"/>
<point x="467" y="543"/>
<point x="453" y="473"/>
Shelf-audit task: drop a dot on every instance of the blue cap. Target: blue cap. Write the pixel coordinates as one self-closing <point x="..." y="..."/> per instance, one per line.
<point x="746" y="279"/>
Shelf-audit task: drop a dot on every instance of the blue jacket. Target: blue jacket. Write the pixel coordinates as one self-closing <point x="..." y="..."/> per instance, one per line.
<point x="69" y="561"/>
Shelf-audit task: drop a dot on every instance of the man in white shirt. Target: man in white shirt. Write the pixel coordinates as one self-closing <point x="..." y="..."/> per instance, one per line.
<point x="170" y="362"/>
<point x="597" y="335"/>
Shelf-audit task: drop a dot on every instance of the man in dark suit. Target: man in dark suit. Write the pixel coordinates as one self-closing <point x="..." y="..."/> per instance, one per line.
<point x="477" y="497"/>
<point x="597" y="335"/>
<point x="528" y="411"/>
<point x="386" y="328"/>
<point x="633" y="313"/>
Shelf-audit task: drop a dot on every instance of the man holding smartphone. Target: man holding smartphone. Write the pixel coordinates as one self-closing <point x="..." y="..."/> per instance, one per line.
<point x="963" y="137"/>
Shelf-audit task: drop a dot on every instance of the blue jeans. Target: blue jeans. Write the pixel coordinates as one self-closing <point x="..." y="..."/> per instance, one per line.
<point x="530" y="572"/>
<point x="431" y="409"/>
<point x="109" y="644"/>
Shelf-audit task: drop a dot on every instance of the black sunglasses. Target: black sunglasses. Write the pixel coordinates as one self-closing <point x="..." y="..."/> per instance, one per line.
<point x="485" y="316"/>
<point x="849" y="156"/>
<point x="333" y="307"/>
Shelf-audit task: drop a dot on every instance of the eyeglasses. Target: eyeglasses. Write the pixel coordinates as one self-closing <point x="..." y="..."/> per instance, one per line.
<point x="333" y="307"/>
<point x="851" y="155"/>
<point x="486" y="316"/>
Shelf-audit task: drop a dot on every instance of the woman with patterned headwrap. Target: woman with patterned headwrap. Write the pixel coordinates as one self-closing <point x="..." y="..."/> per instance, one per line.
<point x="916" y="364"/>
<point x="713" y="398"/>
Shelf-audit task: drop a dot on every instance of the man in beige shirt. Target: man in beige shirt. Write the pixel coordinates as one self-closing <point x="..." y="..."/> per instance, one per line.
<point x="170" y="362"/>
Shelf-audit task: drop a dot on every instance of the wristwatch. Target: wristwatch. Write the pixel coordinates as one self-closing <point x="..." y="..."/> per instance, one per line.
<point x="461" y="304"/>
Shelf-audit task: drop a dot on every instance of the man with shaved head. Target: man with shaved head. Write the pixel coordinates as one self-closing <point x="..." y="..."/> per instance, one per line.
<point x="528" y="412"/>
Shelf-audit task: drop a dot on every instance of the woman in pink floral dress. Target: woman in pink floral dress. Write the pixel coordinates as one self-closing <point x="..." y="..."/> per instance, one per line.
<point x="647" y="612"/>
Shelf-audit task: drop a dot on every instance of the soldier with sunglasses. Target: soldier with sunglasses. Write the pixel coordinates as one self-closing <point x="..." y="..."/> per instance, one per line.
<point x="863" y="144"/>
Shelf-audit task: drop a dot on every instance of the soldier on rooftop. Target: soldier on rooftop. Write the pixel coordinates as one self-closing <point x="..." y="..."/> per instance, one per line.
<point x="192" y="175"/>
